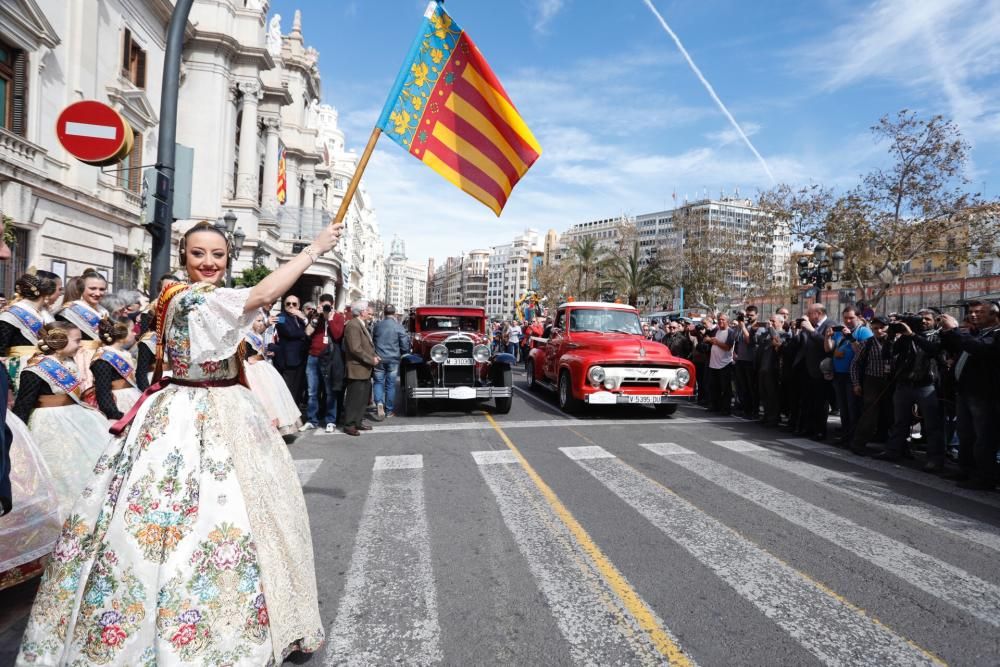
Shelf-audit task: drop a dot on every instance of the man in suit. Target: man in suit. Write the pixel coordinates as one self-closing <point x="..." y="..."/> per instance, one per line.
<point x="816" y="329"/>
<point x="292" y="347"/>
<point x="360" y="358"/>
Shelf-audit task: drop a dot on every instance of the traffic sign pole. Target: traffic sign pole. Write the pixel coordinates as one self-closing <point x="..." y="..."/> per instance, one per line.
<point x="163" y="219"/>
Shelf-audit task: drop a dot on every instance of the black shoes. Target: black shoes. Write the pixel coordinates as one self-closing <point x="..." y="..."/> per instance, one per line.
<point x="892" y="457"/>
<point x="933" y="467"/>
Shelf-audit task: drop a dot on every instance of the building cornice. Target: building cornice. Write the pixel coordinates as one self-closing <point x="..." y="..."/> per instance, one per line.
<point x="229" y="45"/>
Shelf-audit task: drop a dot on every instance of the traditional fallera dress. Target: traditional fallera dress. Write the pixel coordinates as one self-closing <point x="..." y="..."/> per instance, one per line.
<point x="270" y="389"/>
<point x="191" y="546"/>
<point x="87" y="319"/>
<point x="70" y="435"/>
<point x="20" y="325"/>
<point x="115" y="388"/>
<point x="146" y="349"/>
<point x="29" y="531"/>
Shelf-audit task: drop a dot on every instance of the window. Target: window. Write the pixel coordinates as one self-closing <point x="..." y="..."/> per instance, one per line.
<point x="13" y="89"/>
<point x="133" y="61"/>
<point x="986" y="267"/>
<point x="126" y="272"/>
<point x="18" y="264"/>
<point x="130" y="174"/>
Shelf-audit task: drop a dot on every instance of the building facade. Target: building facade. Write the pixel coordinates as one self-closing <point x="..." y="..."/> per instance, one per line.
<point x="249" y="95"/>
<point x="405" y="281"/>
<point x="510" y="270"/>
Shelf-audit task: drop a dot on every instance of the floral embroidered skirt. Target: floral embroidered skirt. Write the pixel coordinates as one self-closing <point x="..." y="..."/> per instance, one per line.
<point x="29" y="531"/>
<point x="126" y="398"/>
<point x="191" y="546"/>
<point x="274" y="397"/>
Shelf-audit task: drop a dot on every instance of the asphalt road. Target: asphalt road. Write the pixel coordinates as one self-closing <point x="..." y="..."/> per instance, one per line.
<point x="620" y="538"/>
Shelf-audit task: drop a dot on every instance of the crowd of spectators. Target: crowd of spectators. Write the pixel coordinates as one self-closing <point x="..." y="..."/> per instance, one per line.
<point x="907" y="382"/>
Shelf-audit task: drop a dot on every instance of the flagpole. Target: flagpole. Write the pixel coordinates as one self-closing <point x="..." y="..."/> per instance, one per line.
<point x="356" y="178"/>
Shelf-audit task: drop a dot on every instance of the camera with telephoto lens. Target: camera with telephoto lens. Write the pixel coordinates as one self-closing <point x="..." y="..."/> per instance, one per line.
<point x="915" y="322"/>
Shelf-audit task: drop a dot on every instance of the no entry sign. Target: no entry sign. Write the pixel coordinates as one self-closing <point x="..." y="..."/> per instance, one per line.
<point x="94" y="133"/>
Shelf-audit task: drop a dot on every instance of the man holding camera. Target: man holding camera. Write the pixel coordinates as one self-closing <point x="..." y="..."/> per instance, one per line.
<point x="815" y="329"/>
<point x="978" y="392"/>
<point x="325" y="366"/>
<point x="720" y="366"/>
<point x="745" y="354"/>
<point x="843" y="345"/>
<point x="871" y="382"/>
<point x="917" y="365"/>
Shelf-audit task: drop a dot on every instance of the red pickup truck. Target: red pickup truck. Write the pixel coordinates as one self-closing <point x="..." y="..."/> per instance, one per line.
<point x="595" y="354"/>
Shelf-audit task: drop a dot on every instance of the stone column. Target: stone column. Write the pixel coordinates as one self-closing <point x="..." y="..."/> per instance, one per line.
<point x="319" y="193"/>
<point x="307" y="189"/>
<point x="271" y="126"/>
<point x="246" y="172"/>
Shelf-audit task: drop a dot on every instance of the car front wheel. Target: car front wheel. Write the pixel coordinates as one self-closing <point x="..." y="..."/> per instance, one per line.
<point x="529" y="370"/>
<point x="567" y="403"/>
<point x="410" y="405"/>
<point x="504" y="379"/>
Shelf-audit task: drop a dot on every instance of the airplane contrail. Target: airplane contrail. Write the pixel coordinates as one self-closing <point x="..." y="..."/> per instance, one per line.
<point x="711" y="91"/>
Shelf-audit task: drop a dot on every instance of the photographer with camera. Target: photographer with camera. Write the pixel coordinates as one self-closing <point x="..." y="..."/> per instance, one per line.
<point x="677" y="340"/>
<point x="978" y="392"/>
<point x="916" y="365"/>
<point x="720" y="366"/>
<point x="325" y="365"/>
<point x="815" y="329"/>
<point x="770" y="338"/>
<point x="699" y="357"/>
<point x="871" y="381"/>
<point x="843" y="345"/>
<point x="745" y="353"/>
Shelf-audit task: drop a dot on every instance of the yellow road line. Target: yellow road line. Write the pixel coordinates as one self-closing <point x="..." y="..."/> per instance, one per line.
<point x="636" y="606"/>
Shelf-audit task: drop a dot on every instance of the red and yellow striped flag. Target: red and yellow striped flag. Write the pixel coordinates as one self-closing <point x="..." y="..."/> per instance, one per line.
<point x="448" y="109"/>
<point x="282" y="186"/>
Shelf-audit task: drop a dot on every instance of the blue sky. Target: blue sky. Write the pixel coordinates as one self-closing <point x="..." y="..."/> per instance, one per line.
<point x="624" y="122"/>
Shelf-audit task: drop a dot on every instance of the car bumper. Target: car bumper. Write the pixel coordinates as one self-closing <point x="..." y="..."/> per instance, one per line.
<point x="608" y="398"/>
<point x="460" y="393"/>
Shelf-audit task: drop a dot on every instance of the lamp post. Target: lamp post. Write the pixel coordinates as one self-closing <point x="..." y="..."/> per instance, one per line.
<point x="824" y="268"/>
<point x="236" y="238"/>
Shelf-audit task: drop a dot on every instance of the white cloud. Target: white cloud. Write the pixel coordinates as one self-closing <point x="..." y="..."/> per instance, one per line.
<point x="544" y="12"/>
<point x="943" y="49"/>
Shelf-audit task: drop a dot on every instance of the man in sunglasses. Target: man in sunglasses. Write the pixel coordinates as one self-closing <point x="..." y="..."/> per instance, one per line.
<point x="292" y="347"/>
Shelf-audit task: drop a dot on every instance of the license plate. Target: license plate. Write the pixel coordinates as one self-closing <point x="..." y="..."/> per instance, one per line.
<point x="463" y="393"/>
<point x="458" y="361"/>
<point x="653" y="400"/>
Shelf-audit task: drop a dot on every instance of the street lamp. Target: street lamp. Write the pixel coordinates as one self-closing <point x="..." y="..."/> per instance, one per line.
<point x="824" y="268"/>
<point x="236" y="237"/>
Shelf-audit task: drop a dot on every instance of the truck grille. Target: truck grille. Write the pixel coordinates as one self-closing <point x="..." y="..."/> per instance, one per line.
<point x="463" y="375"/>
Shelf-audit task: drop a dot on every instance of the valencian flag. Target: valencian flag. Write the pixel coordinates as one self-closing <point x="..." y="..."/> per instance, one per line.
<point x="282" y="186"/>
<point x="448" y="109"/>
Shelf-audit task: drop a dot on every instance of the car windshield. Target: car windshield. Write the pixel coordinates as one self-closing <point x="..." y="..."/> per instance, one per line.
<point x="605" y="321"/>
<point x="451" y="323"/>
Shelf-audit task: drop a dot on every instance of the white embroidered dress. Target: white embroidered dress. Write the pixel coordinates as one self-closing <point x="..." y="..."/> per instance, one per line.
<point x="191" y="546"/>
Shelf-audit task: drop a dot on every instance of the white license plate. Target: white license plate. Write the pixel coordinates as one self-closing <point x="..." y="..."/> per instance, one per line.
<point x="458" y="361"/>
<point x="653" y="400"/>
<point x="463" y="393"/>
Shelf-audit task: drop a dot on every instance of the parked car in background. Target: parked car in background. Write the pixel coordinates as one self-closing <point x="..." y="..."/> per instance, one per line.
<point x="596" y="355"/>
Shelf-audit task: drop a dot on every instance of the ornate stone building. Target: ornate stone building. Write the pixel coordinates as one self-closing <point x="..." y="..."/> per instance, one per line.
<point x="248" y="95"/>
<point x="405" y="281"/>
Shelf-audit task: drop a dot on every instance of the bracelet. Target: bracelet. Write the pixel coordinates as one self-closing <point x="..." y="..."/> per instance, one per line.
<point x="311" y="252"/>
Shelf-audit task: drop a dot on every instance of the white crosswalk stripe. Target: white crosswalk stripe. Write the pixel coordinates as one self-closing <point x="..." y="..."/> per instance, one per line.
<point x="895" y="470"/>
<point x="388" y="612"/>
<point x="835" y="631"/>
<point x="935" y="577"/>
<point x="875" y="494"/>
<point x="306" y="468"/>
<point x="599" y="630"/>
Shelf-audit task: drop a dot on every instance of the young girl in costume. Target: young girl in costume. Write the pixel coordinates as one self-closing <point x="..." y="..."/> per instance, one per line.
<point x="70" y="434"/>
<point x="193" y="544"/>
<point x="22" y="321"/>
<point x="113" y="369"/>
<point x="84" y="311"/>
<point x="267" y="383"/>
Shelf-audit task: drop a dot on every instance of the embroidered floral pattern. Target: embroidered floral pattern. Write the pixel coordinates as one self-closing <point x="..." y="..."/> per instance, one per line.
<point x="113" y="600"/>
<point x="161" y="511"/>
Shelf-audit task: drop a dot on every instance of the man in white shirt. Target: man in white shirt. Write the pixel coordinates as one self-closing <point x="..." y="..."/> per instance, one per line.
<point x="720" y="366"/>
<point x="514" y="340"/>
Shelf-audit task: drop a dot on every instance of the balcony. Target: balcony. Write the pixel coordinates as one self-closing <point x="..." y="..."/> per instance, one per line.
<point x="17" y="150"/>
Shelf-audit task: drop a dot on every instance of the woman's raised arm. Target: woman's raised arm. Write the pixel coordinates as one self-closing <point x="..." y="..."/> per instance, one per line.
<point x="278" y="282"/>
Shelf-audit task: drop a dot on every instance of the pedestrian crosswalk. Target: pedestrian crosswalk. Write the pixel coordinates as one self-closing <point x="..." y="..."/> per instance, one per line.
<point x="388" y="611"/>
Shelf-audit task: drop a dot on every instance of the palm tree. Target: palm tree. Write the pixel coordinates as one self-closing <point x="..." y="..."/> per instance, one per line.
<point x="584" y="258"/>
<point x="634" y="276"/>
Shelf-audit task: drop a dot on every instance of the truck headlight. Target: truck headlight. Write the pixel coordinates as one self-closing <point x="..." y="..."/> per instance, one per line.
<point x="596" y="375"/>
<point x="481" y="354"/>
<point x="439" y="354"/>
<point x="682" y="377"/>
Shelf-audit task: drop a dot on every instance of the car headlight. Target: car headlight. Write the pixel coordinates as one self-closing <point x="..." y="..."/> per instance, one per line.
<point x="609" y="384"/>
<point x="682" y="377"/>
<point x="596" y="374"/>
<point x="481" y="354"/>
<point x="439" y="354"/>
<point x="673" y="386"/>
